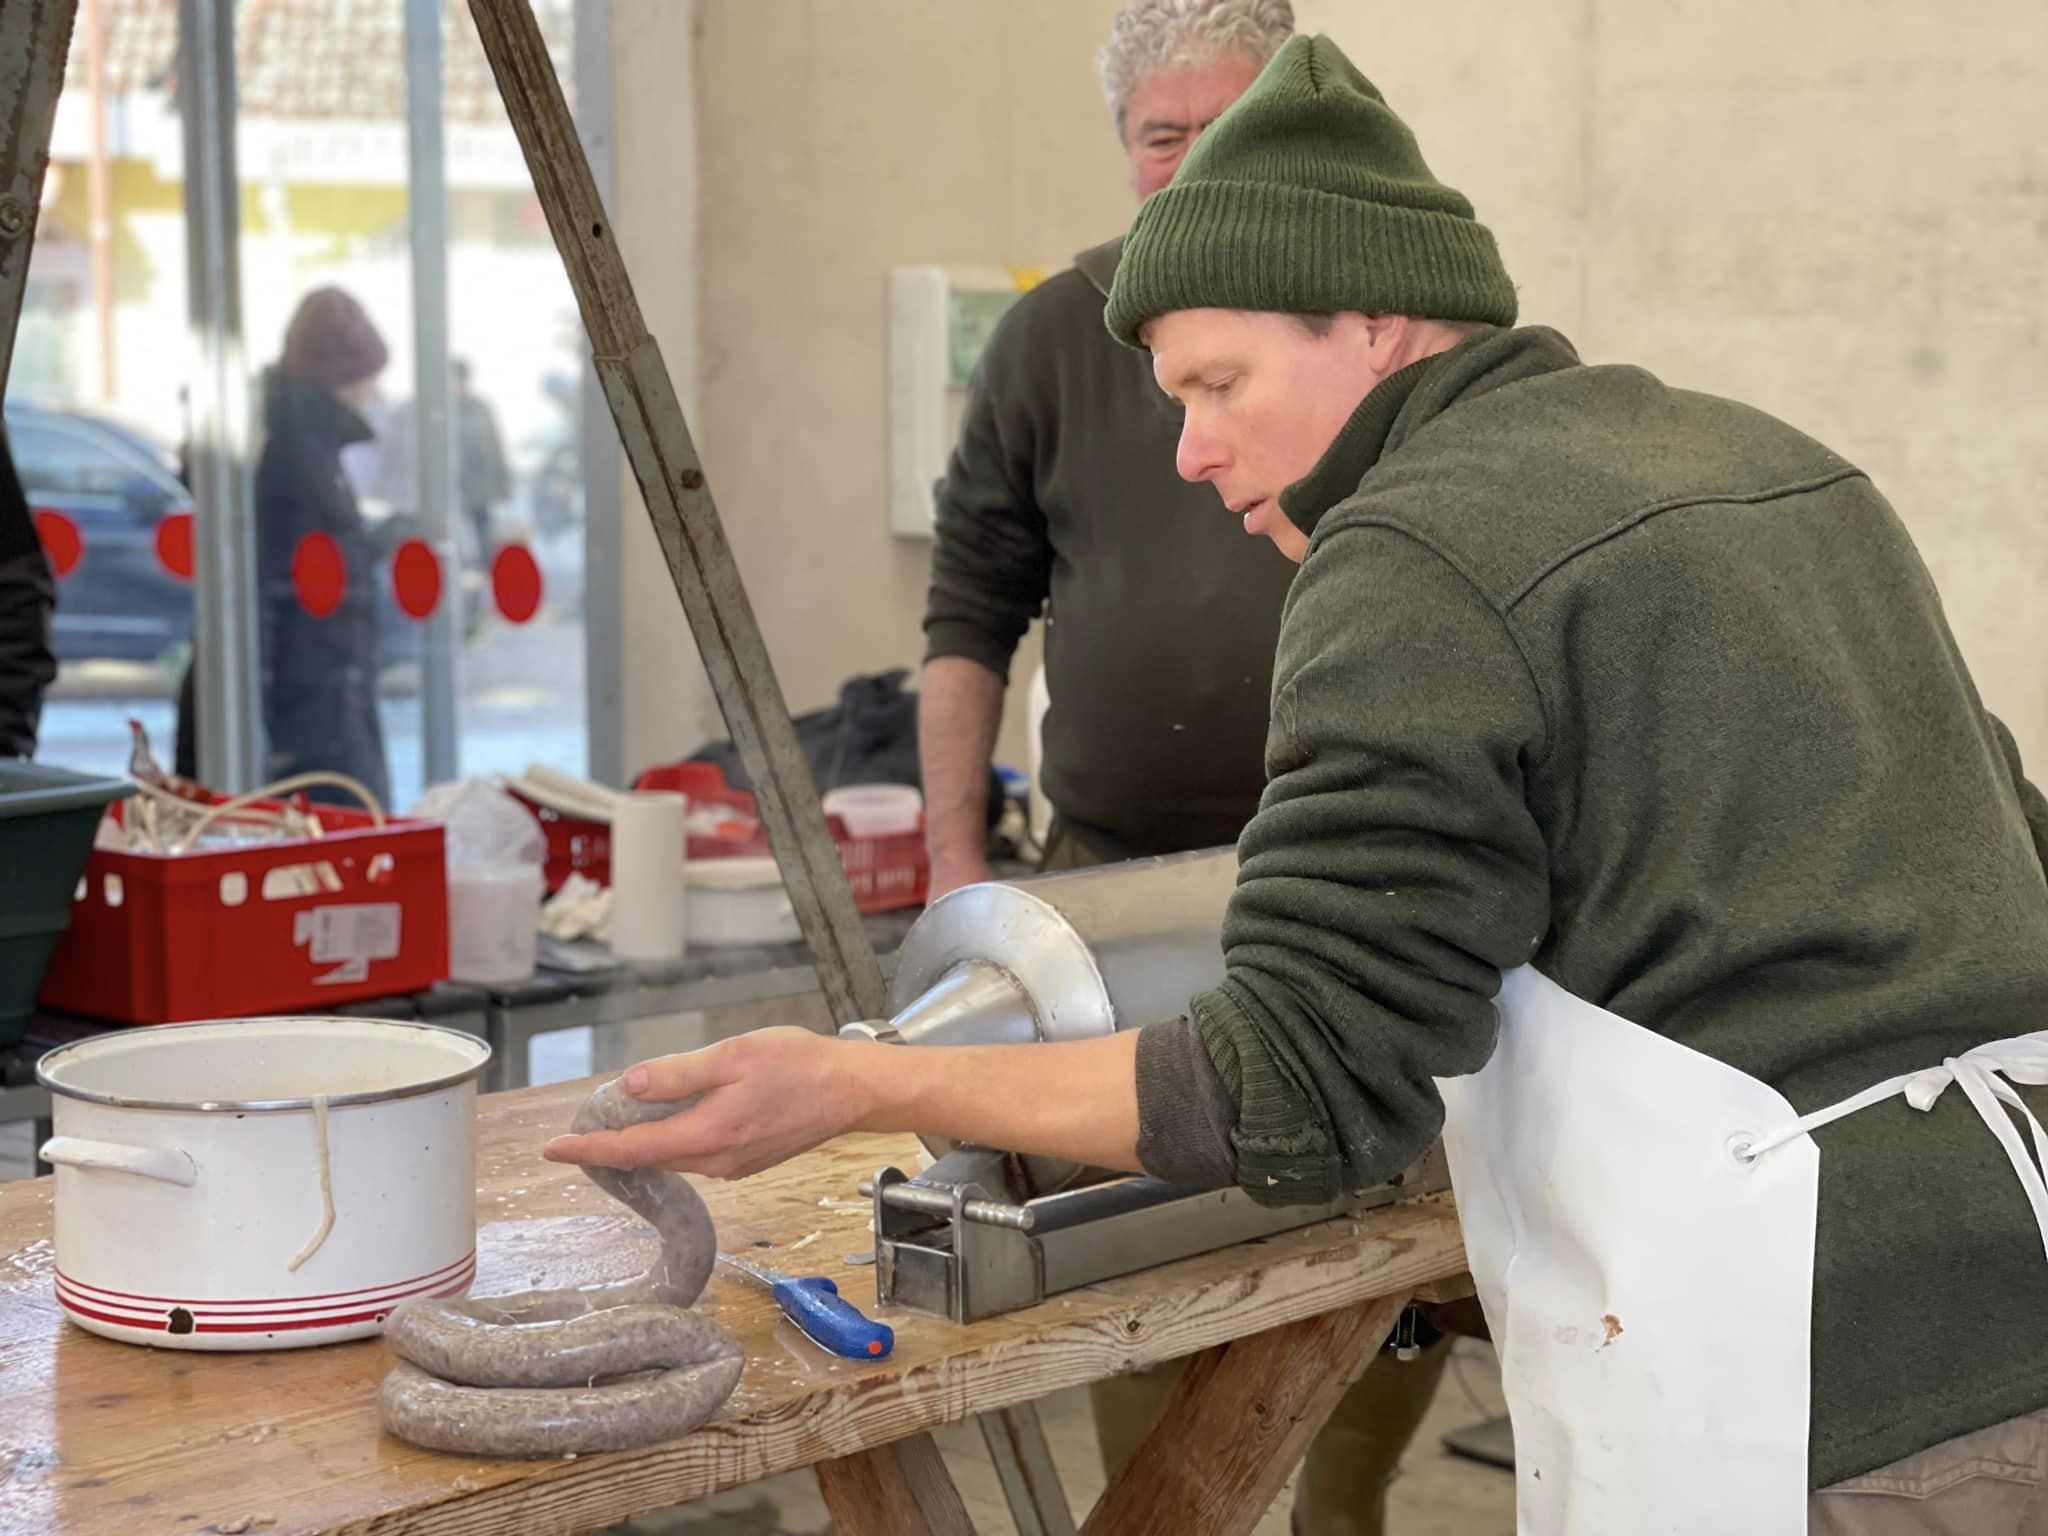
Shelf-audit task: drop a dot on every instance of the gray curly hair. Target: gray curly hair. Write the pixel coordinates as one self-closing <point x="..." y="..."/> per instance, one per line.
<point x="1151" y="34"/>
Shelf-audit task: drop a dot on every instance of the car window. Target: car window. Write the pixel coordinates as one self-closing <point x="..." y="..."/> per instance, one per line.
<point x="38" y="457"/>
<point x="57" y="460"/>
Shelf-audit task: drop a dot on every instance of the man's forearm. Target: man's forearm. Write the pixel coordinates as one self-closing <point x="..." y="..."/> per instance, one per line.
<point x="758" y="1099"/>
<point x="960" y="710"/>
<point x="1077" y="1100"/>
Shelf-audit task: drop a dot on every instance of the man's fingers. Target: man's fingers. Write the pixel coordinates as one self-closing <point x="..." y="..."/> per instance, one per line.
<point x="667" y="1079"/>
<point x="679" y="1140"/>
<point x="592" y="1148"/>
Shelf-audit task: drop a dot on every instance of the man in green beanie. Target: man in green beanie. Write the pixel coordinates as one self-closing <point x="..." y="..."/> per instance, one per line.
<point x="1632" y="821"/>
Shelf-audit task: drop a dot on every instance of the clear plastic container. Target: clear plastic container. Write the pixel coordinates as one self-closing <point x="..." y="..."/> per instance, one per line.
<point x="493" y="922"/>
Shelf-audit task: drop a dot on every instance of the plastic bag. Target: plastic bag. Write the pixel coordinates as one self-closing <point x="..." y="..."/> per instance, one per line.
<point x="485" y="825"/>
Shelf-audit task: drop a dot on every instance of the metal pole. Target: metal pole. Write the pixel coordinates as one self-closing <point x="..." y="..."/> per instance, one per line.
<point x="35" y="37"/>
<point x="604" y="636"/>
<point x="230" y="737"/>
<point x="433" y="394"/>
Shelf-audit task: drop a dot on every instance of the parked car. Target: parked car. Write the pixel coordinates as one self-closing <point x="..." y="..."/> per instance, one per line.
<point x="116" y="484"/>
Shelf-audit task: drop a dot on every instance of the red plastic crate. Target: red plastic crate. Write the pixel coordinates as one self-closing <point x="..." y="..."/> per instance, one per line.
<point x="163" y="938"/>
<point x="576" y="845"/>
<point x="885" y="872"/>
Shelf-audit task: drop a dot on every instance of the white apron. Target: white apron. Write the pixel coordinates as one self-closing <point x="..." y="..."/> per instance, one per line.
<point x="1639" y="1222"/>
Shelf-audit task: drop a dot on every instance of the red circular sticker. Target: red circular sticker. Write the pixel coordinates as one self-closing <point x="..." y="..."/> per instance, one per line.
<point x="60" y="541"/>
<point x="319" y="575"/>
<point x="174" y="544"/>
<point x="416" y="578"/>
<point x="515" y="582"/>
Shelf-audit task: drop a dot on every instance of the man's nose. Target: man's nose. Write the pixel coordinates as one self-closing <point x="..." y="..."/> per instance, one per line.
<point x="1200" y="455"/>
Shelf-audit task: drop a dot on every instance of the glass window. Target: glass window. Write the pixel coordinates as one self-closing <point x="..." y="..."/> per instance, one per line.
<point x="518" y="431"/>
<point x="98" y="410"/>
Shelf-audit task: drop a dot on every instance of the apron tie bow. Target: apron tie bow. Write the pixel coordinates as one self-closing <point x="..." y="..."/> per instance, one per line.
<point x="1986" y="1074"/>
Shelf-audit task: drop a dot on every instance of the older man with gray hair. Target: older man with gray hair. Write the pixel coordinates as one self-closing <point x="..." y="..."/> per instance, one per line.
<point x="1061" y="496"/>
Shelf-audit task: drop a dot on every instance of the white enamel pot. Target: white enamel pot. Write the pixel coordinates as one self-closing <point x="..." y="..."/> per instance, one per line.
<point x="197" y="1166"/>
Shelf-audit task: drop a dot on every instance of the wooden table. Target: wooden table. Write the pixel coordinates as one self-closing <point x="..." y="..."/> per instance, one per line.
<point x="101" y="1437"/>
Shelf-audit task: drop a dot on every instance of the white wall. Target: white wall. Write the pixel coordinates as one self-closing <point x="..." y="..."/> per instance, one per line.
<point x="665" y="703"/>
<point x="1836" y="209"/>
<point x="833" y="142"/>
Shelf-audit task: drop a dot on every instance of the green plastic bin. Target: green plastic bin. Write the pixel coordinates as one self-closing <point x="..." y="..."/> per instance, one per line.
<point x="47" y="820"/>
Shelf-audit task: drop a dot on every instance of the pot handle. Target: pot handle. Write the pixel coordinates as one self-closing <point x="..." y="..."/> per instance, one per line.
<point x="165" y="1163"/>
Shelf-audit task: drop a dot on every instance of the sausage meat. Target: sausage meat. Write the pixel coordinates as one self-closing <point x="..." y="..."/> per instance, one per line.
<point x="586" y="1368"/>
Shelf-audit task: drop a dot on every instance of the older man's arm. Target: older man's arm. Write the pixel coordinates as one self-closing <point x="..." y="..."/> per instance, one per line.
<point x="991" y="571"/>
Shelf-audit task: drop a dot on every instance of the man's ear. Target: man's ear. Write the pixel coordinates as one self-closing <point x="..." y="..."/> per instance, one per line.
<point x="1385" y="338"/>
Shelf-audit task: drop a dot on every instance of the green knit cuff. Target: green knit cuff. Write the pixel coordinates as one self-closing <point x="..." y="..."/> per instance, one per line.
<point x="1283" y="1156"/>
<point x="1295" y="250"/>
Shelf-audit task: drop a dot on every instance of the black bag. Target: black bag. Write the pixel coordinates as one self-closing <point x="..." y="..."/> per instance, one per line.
<point x="868" y="737"/>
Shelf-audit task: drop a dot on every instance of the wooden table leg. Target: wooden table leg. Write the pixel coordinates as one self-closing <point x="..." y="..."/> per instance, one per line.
<point x="1240" y="1419"/>
<point x="902" y="1489"/>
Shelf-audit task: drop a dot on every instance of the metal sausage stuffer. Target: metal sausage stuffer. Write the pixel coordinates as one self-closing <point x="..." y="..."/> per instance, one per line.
<point x="1060" y="957"/>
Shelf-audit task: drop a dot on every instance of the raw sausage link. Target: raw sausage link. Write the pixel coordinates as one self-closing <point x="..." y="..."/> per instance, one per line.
<point x="590" y="1368"/>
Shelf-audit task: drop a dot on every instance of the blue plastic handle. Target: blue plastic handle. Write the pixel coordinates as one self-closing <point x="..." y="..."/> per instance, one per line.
<point x="832" y="1322"/>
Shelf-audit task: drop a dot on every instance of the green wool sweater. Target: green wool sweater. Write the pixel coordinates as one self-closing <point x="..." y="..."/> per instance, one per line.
<point x="1652" y="689"/>
<point x="1159" y="630"/>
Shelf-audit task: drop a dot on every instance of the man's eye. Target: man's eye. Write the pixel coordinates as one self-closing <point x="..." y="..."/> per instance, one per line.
<point x="1220" y="388"/>
<point x="1163" y="146"/>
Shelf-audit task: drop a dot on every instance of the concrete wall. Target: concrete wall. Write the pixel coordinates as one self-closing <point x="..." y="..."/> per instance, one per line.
<point x="1836" y="209"/>
<point x="663" y="698"/>
<point x="834" y="141"/>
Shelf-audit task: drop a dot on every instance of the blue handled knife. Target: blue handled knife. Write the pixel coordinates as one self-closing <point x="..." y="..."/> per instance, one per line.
<point x="827" y="1318"/>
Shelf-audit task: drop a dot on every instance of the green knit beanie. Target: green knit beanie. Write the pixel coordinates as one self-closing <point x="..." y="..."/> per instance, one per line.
<point x="1309" y="196"/>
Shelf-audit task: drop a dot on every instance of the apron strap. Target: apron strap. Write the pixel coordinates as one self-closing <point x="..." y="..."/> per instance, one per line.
<point x="1983" y="1073"/>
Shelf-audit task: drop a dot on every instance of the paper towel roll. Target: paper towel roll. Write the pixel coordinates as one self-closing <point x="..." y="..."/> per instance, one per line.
<point x="648" y="849"/>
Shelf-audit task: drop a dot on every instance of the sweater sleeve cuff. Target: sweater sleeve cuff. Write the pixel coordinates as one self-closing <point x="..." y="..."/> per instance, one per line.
<point x="1281" y="1150"/>
<point x="1185" y="1114"/>
<point x="958" y="637"/>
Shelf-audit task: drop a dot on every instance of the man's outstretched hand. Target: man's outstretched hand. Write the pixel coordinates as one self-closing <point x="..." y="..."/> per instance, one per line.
<point x="758" y="1099"/>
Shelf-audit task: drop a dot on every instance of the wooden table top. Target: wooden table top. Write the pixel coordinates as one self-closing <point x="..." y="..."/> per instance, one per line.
<point x="104" y="1437"/>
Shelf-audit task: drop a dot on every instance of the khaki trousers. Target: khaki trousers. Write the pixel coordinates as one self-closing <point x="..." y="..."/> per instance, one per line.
<point x="1992" y="1483"/>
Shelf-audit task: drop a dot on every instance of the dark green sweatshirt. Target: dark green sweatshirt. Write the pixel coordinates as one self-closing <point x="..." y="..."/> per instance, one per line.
<point x="1651" y="689"/>
<point x="1160" y="620"/>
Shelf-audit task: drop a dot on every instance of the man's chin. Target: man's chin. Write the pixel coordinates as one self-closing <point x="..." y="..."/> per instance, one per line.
<point x="1264" y="519"/>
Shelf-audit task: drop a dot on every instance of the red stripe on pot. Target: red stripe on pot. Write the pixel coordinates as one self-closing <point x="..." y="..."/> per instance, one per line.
<point x="338" y="1297"/>
<point x="297" y="1325"/>
<point x="381" y="1296"/>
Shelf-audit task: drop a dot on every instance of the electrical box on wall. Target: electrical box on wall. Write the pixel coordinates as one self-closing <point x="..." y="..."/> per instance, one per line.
<point x="940" y="318"/>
